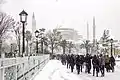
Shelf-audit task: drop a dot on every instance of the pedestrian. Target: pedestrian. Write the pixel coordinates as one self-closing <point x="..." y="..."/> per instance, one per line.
<point x="77" y="64"/>
<point x="112" y="63"/>
<point x="88" y="63"/>
<point x="63" y="59"/>
<point x="68" y="61"/>
<point x="102" y="65"/>
<point x="72" y="62"/>
<point x="95" y="62"/>
<point x="107" y="63"/>
<point x="81" y="62"/>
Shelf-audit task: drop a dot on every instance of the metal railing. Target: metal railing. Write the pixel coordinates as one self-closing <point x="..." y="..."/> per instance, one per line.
<point x="24" y="68"/>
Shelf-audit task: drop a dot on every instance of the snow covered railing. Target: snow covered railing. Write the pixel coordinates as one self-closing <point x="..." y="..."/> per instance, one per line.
<point x="24" y="68"/>
<point x="117" y="59"/>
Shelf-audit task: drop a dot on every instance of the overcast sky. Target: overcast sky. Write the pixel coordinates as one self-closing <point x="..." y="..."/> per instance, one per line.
<point x="70" y="13"/>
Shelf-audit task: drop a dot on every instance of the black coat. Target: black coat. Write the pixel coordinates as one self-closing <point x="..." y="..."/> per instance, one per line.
<point x="68" y="58"/>
<point x="72" y="60"/>
<point x="112" y="61"/>
<point x="79" y="60"/>
<point x="88" y="59"/>
<point x="95" y="61"/>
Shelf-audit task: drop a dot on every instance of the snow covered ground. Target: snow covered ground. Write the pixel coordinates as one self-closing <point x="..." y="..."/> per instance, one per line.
<point x="54" y="70"/>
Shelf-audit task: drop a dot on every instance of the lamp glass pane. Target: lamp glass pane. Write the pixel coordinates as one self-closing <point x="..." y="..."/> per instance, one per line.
<point x="36" y="34"/>
<point x="23" y="18"/>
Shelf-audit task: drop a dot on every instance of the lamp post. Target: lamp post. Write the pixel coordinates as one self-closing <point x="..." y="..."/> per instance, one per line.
<point x="42" y="30"/>
<point x="42" y="41"/>
<point x="64" y="43"/>
<point x="11" y="47"/>
<point x="30" y="49"/>
<point x="97" y="47"/>
<point x="111" y="41"/>
<point x="36" y="35"/>
<point x="114" y="50"/>
<point x="23" y="19"/>
<point x="86" y="45"/>
<point x="70" y="46"/>
<point x="0" y="48"/>
<point x="16" y="53"/>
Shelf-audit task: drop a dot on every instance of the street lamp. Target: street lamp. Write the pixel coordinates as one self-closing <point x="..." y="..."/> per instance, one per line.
<point x="0" y="48"/>
<point x="42" y="30"/>
<point x="64" y="43"/>
<point x="36" y="35"/>
<point x="11" y="47"/>
<point x="23" y="19"/>
<point x="70" y="46"/>
<point x="111" y="41"/>
<point x="86" y="45"/>
<point x="97" y="47"/>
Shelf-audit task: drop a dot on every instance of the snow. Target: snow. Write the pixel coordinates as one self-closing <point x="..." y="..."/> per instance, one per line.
<point x="54" y="70"/>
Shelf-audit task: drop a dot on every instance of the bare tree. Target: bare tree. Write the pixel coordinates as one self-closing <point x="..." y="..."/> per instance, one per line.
<point x="70" y="46"/>
<point x="28" y="38"/>
<point x="86" y="44"/>
<point x="2" y="1"/>
<point x="17" y="31"/>
<point x="63" y="44"/>
<point x="6" y="24"/>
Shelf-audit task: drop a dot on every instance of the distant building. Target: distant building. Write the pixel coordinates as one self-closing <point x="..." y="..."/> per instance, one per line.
<point x="72" y="35"/>
<point x="69" y="34"/>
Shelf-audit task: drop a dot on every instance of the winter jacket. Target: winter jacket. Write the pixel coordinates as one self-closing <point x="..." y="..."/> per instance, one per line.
<point x="72" y="60"/>
<point x="79" y="60"/>
<point x="95" y="61"/>
<point x="112" y="61"/>
<point x="107" y="59"/>
<point x="102" y="60"/>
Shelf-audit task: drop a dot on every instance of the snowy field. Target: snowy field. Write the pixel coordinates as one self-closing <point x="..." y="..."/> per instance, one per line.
<point x="54" y="70"/>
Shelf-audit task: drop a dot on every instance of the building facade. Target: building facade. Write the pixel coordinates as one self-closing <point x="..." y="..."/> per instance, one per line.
<point x="69" y="34"/>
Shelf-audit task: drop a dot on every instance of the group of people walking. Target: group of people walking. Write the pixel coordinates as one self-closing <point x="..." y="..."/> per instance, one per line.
<point x="98" y="62"/>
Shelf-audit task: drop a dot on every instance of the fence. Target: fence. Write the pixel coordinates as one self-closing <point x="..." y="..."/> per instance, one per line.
<point x="24" y="68"/>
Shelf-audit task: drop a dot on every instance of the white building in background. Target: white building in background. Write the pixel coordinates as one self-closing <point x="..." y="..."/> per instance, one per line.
<point x="69" y="34"/>
<point x="72" y="35"/>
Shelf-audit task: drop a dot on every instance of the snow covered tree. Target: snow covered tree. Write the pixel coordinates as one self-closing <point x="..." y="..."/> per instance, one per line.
<point x="54" y="39"/>
<point x="6" y="25"/>
<point x="17" y="29"/>
<point x="63" y="44"/>
<point x="70" y="46"/>
<point x="28" y="38"/>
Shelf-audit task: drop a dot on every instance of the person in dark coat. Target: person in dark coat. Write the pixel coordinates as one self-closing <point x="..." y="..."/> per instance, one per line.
<point x="63" y="59"/>
<point x="78" y="64"/>
<point x="112" y="63"/>
<point x="107" y="63"/>
<point x="72" y="62"/>
<point x="68" y="61"/>
<point x="102" y="65"/>
<point x="95" y="62"/>
<point x="81" y="62"/>
<point x="88" y="63"/>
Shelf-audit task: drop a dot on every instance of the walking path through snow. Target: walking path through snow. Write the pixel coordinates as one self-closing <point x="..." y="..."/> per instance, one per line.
<point x="54" y="70"/>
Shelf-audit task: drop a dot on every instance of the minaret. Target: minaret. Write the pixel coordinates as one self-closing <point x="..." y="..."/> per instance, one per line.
<point x="33" y="25"/>
<point x="94" y="27"/>
<point x="87" y="31"/>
